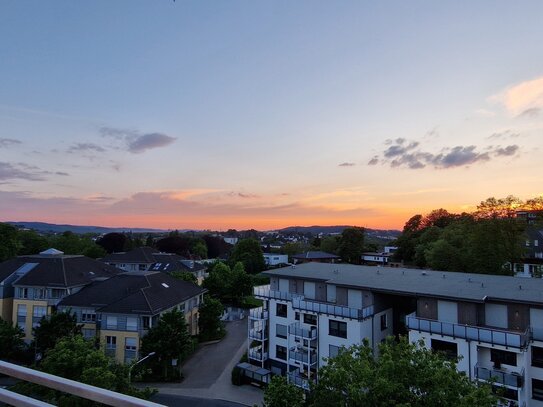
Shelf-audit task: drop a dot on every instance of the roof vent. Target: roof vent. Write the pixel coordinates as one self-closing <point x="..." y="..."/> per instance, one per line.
<point x="51" y="252"/>
<point x="443" y="275"/>
<point x="520" y="287"/>
<point x="424" y="273"/>
<point x="165" y="285"/>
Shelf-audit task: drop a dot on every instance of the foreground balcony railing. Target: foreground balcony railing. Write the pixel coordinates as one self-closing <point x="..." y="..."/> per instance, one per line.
<point x="259" y="313"/>
<point x="480" y="334"/>
<point x="301" y="381"/>
<point x="330" y="309"/>
<point x="302" y="356"/>
<point x="257" y="354"/>
<point x="306" y="333"/>
<point x="499" y="376"/>
<point x="264" y="292"/>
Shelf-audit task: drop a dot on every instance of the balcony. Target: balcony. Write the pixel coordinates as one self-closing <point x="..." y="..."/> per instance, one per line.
<point x="498" y="376"/>
<point x="257" y="354"/>
<point x="264" y="292"/>
<point x="259" y="313"/>
<point x="303" y="356"/>
<point x="305" y="333"/>
<point x="492" y="336"/>
<point x="297" y="379"/>
<point x="258" y="334"/>
<point x="330" y="309"/>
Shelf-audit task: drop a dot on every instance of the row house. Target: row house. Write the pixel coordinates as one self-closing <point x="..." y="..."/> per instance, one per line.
<point x="121" y="310"/>
<point x="494" y="324"/>
<point x="32" y="286"/>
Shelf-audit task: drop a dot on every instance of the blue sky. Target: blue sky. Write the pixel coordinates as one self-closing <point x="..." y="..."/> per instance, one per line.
<point x="239" y="114"/>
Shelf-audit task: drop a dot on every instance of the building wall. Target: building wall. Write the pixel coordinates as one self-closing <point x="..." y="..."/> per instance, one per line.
<point x="121" y="340"/>
<point x="30" y="304"/>
<point x="6" y="309"/>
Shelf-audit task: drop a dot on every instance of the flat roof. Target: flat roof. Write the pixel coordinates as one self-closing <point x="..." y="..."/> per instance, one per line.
<point x="420" y="283"/>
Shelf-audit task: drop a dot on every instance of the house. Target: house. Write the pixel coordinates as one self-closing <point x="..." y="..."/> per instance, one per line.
<point x="32" y="286"/>
<point x="494" y="323"/>
<point x="315" y="256"/>
<point x="147" y="258"/>
<point x="531" y="264"/>
<point x="274" y="259"/>
<point x="120" y="310"/>
<point x="376" y="258"/>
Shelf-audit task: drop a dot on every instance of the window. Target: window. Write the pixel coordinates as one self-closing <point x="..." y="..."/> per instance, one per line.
<point x="537" y="389"/>
<point x="57" y="293"/>
<point x="39" y="312"/>
<point x="131" y="324"/>
<point x="281" y="310"/>
<point x="182" y="307"/>
<point x="537" y="356"/>
<point x="500" y="357"/>
<point x="337" y="328"/>
<point x="449" y="349"/>
<point x="310" y="319"/>
<point x="111" y="322"/>
<point x="281" y="331"/>
<point x="40" y="293"/>
<point x="88" y="315"/>
<point x="384" y="322"/>
<point x="130" y="344"/>
<point x="297" y="316"/>
<point x="88" y="333"/>
<point x="536" y="242"/>
<point x="22" y="326"/>
<point x="111" y="342"/>
<point x="22" y="292"/>
<point x="333" y="351"/>
<point x="142" y="267"/>
<point x="21" y="310"/>
<point x="280" y="352"/>
<point x="145" y="322"/>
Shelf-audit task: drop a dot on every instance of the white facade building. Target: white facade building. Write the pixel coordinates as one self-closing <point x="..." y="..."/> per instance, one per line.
<point x="493" y="323"/>
<point x="274" y="259"/>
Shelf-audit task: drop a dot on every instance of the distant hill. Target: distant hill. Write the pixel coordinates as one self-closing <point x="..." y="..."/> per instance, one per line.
<point x="315" y="230"/>
<point x="53" y="228"/>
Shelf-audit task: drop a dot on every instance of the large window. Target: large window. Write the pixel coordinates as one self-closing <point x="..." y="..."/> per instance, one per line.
<point x="537" y="356"/>
<point x="333" y="351"/>
<point x="280" y="352"/>
<point x="281" y="310"/>
<point x="281" y="331"/>
<point x="111" y="322"/>
<point x="310" y="319"/>
<point x="131" y="324"/>
<point x="111" y="342"/>
<point x="130" y="344"/>
<point x="500" y="357"/>
<point x="88" y="315"/>
<point x="450" y="349"/>
<point x="337" y="328"/>
<point x="537" y="389"/>
<point x="22" y="292"/>
<point x="39" y="311"/>
<point x="384" y="322"/>
<point x="21" y="310"/>
<point x="145" y="322"/>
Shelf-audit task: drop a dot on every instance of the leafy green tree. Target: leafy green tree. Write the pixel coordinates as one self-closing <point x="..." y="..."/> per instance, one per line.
<point x="249" y="252"/>
<point x="113" y="242"/>
<point x="293" y="248"/>
<point x="279" y="393"/>
<point x="199" y="249"/>
<point x="351" y="245"/>
<point x="209" y="322"/>
<point x="9" y="242"/>
<point x="170" y="340"/>
<point x="229" y="286"/>
<point x="52" y="329"/>
<point x="241" y="284"/>
<point x="94" y="251"/>
<point x="12" y="345"/>
<point x="31" y="242"/>
<point x="185" y="276"/>
<point x="404" y="374"/>
<point x="330" y="244"/>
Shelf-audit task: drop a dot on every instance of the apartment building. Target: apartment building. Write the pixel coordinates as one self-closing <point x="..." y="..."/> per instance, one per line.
<point x="120" y="310"/>
<point x="32" y="286"/>
<point x="493" y="323"/>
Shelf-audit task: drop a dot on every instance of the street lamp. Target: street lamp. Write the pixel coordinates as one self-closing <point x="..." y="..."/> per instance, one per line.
<point x="139" y="361"/>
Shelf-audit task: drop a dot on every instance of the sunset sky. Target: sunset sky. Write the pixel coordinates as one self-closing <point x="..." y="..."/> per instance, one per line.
<point x="254" y="114"/>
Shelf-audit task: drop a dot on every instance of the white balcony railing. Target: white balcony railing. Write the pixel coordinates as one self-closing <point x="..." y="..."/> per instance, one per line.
<point x="296" y="329"/>
<point x="259" y="313"/>
<point x="264" y="292"/>
<point x="298" y="380"/>
<point x="302" y="355"/>
<point x="258" y="334"/>
<point x="257" y="354"/>
<point x="480" y="334"/>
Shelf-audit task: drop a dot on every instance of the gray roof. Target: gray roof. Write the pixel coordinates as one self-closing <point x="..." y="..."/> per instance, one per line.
<point x="421" y="283"/>
<point x="315" y="255"/>
<point x="145" y="255"/>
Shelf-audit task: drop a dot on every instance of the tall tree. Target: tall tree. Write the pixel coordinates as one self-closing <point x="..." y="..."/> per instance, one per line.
<point x="279" y="393"/>
<point x="174" y="244"/>
<point x="52" y="329"/>
<point x="351" y="245"/>
<point x="113" y="242"/>
<point x="209" y="319"/>
<point x="404" y="374"/>
<point x="31" y="242"/>
<point x="9" y="242"/>
<point x="12" y="343"/>
<point x="249" y="252"/>
<point x="170" y="340"/>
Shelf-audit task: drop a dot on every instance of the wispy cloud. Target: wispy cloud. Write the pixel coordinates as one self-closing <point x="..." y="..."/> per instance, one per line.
<point x="346" y="164"/>
<point x="86" y="147"/>
<point x="402" y="153"/>
<point x="501" y="135"/>
<point x="16" y="171"/>
<point x="8" y="142"/>
<point x="135" y="142"/>
<point x="522" y="99"/>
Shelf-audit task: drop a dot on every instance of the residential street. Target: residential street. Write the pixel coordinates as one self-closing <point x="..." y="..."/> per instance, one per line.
<point x="208" y="372"/>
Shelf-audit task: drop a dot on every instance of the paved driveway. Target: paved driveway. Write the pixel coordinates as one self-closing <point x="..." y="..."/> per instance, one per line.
<point x="208" y="372"/>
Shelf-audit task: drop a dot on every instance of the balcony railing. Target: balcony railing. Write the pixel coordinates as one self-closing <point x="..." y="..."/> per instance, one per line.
<point x="259" y="313"/>
<point x="330" y="309"/>
<point x="303" y="356"/>
<point x="493" y="375"/>
<point x="258" y="334"/>
<point x="296" y="379"/>
<point x="257" y="354"/>
<point x="480" y="334"/>
<point x="264" y="292"/>
<point x="306" y="333"/>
